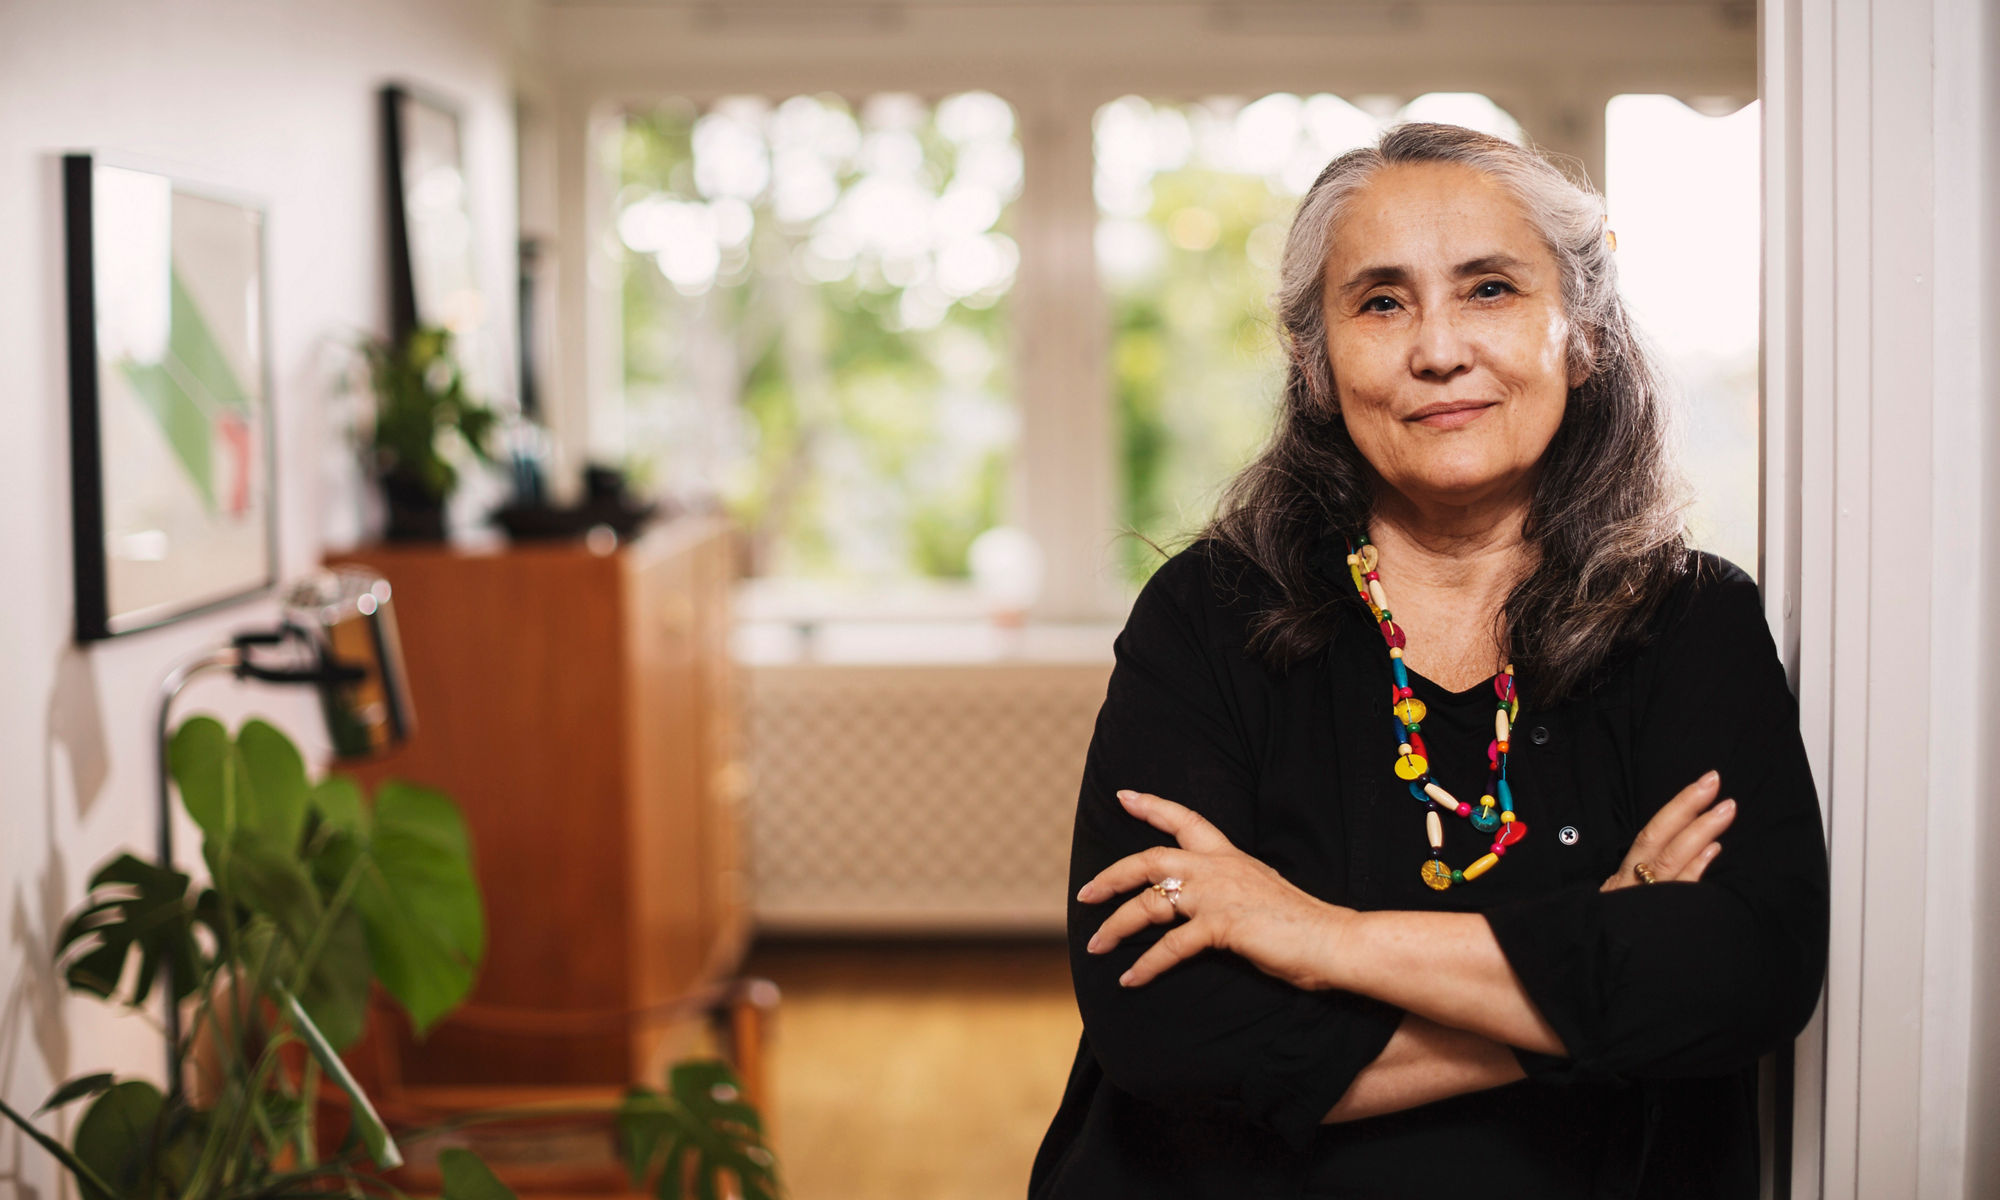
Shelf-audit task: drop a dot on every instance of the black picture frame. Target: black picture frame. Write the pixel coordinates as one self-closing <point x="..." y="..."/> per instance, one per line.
<point x="432" y="269"/>
<point x="173" y="479"/>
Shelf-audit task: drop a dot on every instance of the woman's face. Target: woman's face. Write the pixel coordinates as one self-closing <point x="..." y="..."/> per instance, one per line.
<point x="1446" y="332"/>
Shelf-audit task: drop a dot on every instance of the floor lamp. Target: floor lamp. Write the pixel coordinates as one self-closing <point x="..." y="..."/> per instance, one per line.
<point x="338" y="636"/>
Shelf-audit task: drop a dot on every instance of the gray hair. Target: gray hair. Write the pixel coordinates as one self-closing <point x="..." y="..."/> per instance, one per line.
<point x="1606" y="513"/>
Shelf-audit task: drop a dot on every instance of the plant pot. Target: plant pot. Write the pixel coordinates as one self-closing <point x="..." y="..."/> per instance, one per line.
<point x="415" y="514"/>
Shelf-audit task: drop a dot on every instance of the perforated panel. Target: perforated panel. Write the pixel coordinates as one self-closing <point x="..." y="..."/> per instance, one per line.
<point x="915" y="798"/>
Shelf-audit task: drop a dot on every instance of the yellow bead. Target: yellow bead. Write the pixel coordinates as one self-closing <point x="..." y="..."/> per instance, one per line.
<point x="1353" y="560"/>
<point x="1437" y="875"/>
<point x="1395" y="652"/>
<point x="1506" y="817"/>
<point x="1411" y="711"/>
<point x="1412" y="767"/>
<point x="1481" y="867"/>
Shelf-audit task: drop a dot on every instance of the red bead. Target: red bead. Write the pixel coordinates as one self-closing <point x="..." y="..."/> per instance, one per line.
<point x="1464" y="809"/>
<point x="1500" y="848"/>
<point x="1504" y="685"/>
<point x="1403" y="693"/>
<point x="1393" y="634"/>
<point x="1493" y="753"/>
<point x="1417" y="744"/>
<point x="1374" y="576"/>
<point x="1512" y="831"/>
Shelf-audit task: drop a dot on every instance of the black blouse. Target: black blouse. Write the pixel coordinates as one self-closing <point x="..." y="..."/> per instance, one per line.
<point x="1212" y="1080"/>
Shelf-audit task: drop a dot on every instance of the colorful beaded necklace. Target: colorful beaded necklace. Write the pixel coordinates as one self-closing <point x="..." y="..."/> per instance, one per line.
<point x="1413" y="761"/>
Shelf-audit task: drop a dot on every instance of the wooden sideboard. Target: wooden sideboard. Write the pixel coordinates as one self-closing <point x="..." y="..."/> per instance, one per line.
<point x="581" y="708"/>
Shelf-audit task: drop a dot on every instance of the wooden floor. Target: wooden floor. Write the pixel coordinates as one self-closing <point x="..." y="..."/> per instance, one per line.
<point x="915" y="1070"/>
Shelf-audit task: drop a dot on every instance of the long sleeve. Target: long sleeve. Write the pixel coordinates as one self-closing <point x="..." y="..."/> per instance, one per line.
<point x="1214" y="1031"/>
<point x="1682" y="979"/>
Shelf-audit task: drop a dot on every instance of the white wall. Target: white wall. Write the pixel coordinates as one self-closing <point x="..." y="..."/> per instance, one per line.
<point x="275" y="98"/>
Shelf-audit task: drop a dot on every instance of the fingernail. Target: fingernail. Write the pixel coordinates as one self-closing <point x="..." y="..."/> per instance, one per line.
<point x="1091" y="945"/>
<point x="1125" y="980"/>
<point x="1085" y="892"/>
<point x="1714" y="848"/>
<point x="1712" y="777"/>
<point x="1727" y="806"/>
<point x="1128" y="794"/>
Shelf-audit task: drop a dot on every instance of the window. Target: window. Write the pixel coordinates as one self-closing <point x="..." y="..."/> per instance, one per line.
<point x="815" y="322"/>
<point x="1683" y="194"/>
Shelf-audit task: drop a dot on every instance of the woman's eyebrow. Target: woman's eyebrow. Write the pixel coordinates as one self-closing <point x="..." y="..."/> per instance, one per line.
<point x="1368" y="277"/>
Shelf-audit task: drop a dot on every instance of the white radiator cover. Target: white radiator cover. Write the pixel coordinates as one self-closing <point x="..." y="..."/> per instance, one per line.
<point x="919" y="798"/>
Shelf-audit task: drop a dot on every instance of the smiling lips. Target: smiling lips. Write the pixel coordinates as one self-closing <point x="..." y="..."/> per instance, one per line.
<point x="1450" y="414"/>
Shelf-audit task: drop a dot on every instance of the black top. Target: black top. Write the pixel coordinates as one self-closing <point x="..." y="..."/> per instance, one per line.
<point x="1212" y="1080"/>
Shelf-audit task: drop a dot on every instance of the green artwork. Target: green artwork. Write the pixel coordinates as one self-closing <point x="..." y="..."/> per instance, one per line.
<point x="193" y="394"/>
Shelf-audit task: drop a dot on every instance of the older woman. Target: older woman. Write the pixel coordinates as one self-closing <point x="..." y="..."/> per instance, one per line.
<point x="1447" y="829"/>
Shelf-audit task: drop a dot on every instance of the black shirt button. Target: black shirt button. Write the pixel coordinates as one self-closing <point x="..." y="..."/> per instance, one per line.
<point x="1539" y="735"/>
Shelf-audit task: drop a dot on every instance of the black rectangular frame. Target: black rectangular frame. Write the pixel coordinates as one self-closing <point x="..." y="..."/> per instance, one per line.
<point x="94" y="620"/>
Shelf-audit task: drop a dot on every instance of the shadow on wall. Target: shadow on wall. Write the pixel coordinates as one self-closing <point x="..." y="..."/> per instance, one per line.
<point x="31" y="1012"/>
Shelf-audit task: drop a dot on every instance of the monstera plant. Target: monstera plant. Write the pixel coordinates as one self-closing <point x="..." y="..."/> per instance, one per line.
<point x="316" y="894"/>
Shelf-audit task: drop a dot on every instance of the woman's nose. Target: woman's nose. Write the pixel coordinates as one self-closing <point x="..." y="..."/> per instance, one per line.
<point x="1441" y="350"/>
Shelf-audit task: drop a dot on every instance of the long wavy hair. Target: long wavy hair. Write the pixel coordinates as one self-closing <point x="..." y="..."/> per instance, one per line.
<point x="1606" y="512"/>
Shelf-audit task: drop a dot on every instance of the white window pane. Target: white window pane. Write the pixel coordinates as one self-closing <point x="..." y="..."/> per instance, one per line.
<point x="1682" y="189"/>
<point x="815" y="322"/>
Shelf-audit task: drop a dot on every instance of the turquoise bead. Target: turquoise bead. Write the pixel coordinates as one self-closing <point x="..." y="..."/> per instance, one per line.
<point x="1485" y="818"/>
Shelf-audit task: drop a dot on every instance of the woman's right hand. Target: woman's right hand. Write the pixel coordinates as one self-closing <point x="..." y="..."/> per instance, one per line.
<point x="1681" y="840"/>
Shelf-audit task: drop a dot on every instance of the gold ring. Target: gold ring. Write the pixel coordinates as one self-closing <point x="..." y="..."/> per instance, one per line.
<point x="1644" y="872"/>
<point x="1171" y="889"/>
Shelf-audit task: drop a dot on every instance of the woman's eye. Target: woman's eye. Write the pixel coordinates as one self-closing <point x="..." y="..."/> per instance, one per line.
<point x="1492" y="289"/>
<point x="1379" y="304"/>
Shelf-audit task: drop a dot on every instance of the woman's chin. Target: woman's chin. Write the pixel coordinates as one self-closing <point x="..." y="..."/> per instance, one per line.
<point x="1460" y="484"/>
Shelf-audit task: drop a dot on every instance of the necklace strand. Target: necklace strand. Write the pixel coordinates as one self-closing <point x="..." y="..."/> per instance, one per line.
<point x="1494" y="813"/>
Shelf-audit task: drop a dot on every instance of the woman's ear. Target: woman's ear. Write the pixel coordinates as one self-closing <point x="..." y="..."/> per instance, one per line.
<point x="1582" y="359"/>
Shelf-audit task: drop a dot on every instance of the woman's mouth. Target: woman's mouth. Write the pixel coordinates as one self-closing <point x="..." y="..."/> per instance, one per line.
<point x="1450" y="414"/>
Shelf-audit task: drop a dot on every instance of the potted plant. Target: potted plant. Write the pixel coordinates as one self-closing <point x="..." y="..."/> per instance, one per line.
<point x="317" y="896"/>
<point x="421" y="409"/>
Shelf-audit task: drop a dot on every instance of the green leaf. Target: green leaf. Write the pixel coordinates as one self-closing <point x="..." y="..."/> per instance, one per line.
<point x="337" y="799"/>
<point x="268" y="881"/>
<point x="420" y="902"/>
<point x="366" y="1122"/>
<point x="210" y="772"/>
<point x="116" y="1139"/>
<point x="467" y="1177"/>
<point x="336" y="992"/>
<point x="701" y="1129"/>
<point x="76" y="1089"/>
<point x="86" y="1177"/>
<point x="134" y="908"/>
<point x="274" y="804"/>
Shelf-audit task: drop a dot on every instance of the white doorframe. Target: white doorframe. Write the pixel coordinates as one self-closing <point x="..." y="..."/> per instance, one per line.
<point x="1879" y="465"/>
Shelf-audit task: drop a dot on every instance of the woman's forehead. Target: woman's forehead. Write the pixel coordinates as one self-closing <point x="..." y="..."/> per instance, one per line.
<point x="1430" y="216"/>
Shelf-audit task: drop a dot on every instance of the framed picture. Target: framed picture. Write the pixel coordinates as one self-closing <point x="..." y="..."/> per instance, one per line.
<point x="170" y="402"/>
<point x="433" y="277"/>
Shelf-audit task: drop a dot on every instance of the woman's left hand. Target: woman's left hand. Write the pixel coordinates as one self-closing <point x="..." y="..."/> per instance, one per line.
<point x="1231" y="902"/>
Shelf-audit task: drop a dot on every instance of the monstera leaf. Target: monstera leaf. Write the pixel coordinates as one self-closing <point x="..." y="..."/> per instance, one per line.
<point x="132" y="1140"/>
<point x="254" y="783"/>
<point x="417" y="897"/>
<point x="135" y="908"/>
<point x="467" y="1177"/>
<point x="694" y="1134"/>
